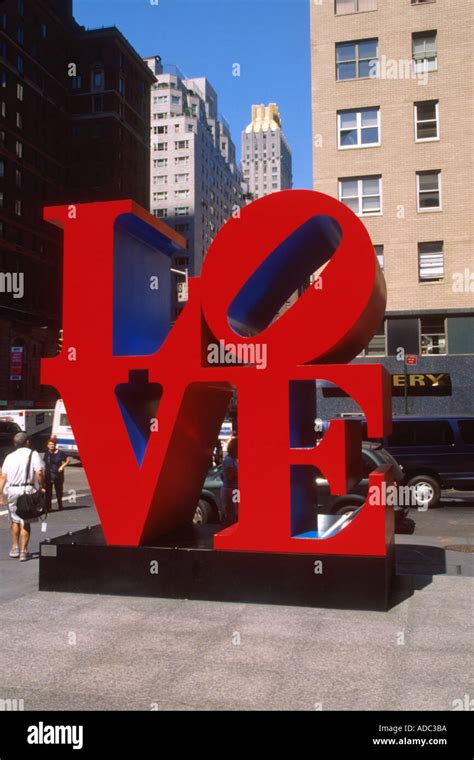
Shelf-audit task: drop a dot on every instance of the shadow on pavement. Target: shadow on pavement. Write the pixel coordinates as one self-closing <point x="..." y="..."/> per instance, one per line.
<point x="69" y="508"/>
<point x="405" y="527"/>
<point x="415" y="566"/>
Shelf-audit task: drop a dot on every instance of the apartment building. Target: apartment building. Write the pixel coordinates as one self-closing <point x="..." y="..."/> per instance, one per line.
<point x="74" y="127"/>
<point x="266" y="154"/>
<point x="392" y="138"/>
<point x="196" y="184"/>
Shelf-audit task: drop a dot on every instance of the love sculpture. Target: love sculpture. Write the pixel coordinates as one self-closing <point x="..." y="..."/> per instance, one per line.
<point x="162" y="401"/>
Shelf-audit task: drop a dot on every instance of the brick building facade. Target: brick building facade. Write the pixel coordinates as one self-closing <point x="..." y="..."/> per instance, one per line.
<point x="392" y="139"/>
<point x="74" y="127"/>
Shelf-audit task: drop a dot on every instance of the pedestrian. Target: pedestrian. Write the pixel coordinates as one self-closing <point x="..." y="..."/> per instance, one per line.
<point x="218" y="454"/>
<point x="229" y="491"/>
<point x="54" y="463"/>
<point x="16" y="481"/>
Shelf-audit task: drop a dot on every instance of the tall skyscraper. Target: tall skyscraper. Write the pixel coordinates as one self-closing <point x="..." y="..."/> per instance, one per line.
<point x="74" y="127"/>
<point x="391" y="123"/>
<point x="266" y="155"/>
<point x="195" y="182"/>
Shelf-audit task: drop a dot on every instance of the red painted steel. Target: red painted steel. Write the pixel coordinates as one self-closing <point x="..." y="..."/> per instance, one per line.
<point x="310" y="341"/>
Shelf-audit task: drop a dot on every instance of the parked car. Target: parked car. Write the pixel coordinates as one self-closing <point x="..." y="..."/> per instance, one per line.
<point x="209" y="504"/>
<point x="435" y="452"/>
<point x="373" y="456"/>
<point x="7" y="431"/>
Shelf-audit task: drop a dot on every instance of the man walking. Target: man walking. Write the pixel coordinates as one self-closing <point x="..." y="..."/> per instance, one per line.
<point x="15" y="477"/>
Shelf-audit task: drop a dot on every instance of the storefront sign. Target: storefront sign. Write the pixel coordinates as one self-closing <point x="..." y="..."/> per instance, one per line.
<point x="16" y="363"/>
<point x="416" y="384"/>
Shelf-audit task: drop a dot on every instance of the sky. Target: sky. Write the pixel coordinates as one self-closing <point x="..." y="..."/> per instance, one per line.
<point x="269" y="39"/>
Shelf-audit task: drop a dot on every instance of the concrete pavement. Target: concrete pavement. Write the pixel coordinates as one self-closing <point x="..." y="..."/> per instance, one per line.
<point x="61" y="651"/>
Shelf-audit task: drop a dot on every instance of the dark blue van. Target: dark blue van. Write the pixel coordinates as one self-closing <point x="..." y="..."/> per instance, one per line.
<point x="435" y="453"/>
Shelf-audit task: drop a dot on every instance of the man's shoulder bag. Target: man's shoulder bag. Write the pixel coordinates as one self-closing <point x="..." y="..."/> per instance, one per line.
<point x="29" y="506"/>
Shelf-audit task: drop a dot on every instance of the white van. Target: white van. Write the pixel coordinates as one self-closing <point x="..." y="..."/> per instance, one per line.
<point x="36" y="423"/>
<point x="62" y="431"/>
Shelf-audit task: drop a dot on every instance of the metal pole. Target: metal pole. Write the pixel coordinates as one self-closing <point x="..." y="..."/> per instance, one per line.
<point x="405" y="393"/>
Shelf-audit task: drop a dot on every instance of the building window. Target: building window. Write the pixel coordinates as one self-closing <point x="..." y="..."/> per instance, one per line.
<point x="176" y="100"/>
<point x="122" y="86"/>
<point x="163" y="196"/>
<point x="182" y="211"/>
<point x="160" y="212"/>
<point x="181" y="177"/>
<point x="427" y="120"/>
<point x="19" y="91"/>
<point x="430" y="262"/>
<point x="20" y="35"/>
<point x="2" y="168"/>
<point x="19" y="149"/>
<point x="18" y="178"/>
<point x="356" y="60"/>
<point x="44" y="30"/>
<point x="424" y="51"/>
<point x="3" y="79"/>
<point x="18" y="208"/>
<point x="97" y="103"/>
<point x="1" y="200"/>
<point x="3" y="21"/>
<point x="362" y="194"/>
<point x="160" y="179"/>
<point x="159" y="162"/>
<point x="19" y="120"/>
<point x="160" y="130"/>
<point x="181" y="160"/>
<point x="3" y="109"/>
<point x="76" y="82"/>
<point x="433" y="335"/>
<point x="20" y="64"/>
<point x="379" y="254"/>
<point x="378" y="344"/>
<point x="357" y="129"/>
<point x="181" y="144"/>
<point x="161" y="146"/>
<point x="98" y="79"/>
<point x="182" y="193"/>
<point x="354" y="6"/>
<point x="428" y="190"/>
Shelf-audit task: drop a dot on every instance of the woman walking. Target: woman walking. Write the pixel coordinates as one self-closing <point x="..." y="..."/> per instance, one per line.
<point x="54" y="463"/>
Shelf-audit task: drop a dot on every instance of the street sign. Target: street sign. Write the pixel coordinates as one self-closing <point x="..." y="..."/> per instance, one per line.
<point x="182" y="292"/>
<point x="411" y="359"/>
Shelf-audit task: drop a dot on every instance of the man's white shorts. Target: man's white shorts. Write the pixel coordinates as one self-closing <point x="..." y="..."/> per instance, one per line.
<point x="12" y="493"/>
